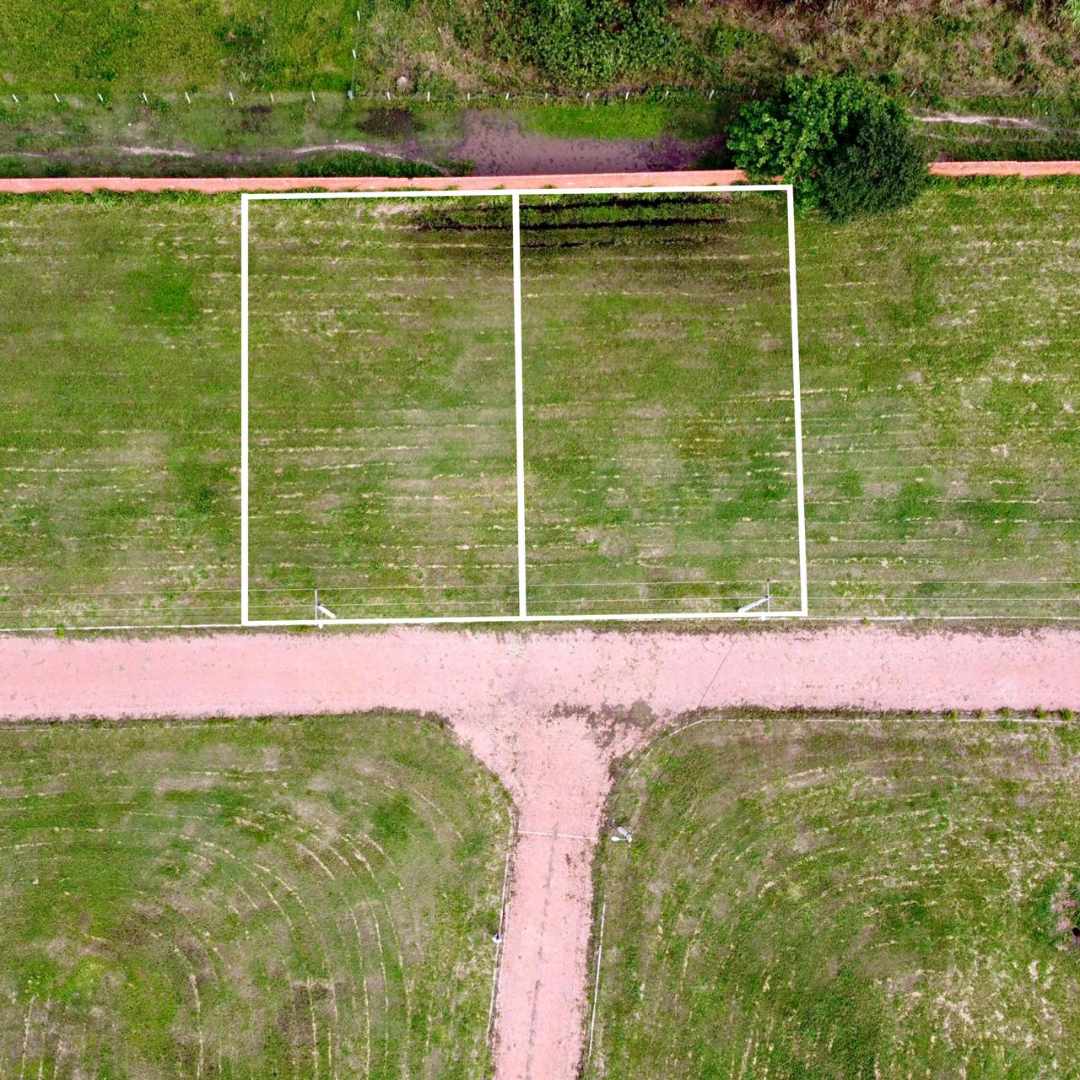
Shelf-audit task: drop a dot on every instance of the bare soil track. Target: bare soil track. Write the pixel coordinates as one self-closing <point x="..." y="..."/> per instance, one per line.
<point x="220" y="185"/>
<point x="549" y="713"/>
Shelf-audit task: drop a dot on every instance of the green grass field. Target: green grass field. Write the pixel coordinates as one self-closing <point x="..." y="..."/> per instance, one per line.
<point x="382" y="408"/>
<point x="836" y="899"/>
<point x="120" y="338"/>
<point x="659" y="427"/>
<point x="658" y="478"/>
<point x="939" y="398"/>
<point x="274" y="898"/>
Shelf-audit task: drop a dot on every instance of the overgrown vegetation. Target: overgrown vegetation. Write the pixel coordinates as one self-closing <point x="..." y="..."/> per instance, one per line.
<point x="254" y="898"/>
<point x="932" y="51"/>
<point x="583" y="43"/>
<point x="981" y="56"/>
<point x="821" y="898"/>
<point x="845" y="146"/>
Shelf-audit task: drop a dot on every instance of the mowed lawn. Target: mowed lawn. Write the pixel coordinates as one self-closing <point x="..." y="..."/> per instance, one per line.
<point x="659" y="437"/>
<point x="119" y="435"/>
<point x="288" y="898"/>
<point x="826" y="898"/>
<point x="941" y="392"/>
<point x="382" y="407"/>
<point x="940" y="389"/>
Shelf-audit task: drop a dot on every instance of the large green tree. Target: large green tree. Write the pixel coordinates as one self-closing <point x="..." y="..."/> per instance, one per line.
<point x="845" y="145"/>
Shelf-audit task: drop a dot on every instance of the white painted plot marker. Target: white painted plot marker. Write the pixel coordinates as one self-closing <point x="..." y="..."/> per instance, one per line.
<point x="765" y="601"/>
<point x="759" y="608"/>
<point x="321" y="610"/>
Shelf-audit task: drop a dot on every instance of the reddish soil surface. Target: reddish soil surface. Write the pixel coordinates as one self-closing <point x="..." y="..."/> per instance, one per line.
<point x="495" y="144"/>
<point x="549" y="713"/>
<point x="217" y="185"/>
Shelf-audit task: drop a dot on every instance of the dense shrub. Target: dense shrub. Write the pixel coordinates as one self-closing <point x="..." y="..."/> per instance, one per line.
<point x="584" y="43"/>
<point x="845" y="145"/>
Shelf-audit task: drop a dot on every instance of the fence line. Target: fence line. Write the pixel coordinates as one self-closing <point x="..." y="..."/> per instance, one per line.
<point x="239" y="97"/>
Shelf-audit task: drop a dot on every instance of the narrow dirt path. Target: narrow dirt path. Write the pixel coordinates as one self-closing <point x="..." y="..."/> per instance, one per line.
<point x="220" y="185"/>
<point x="549" y="713"/>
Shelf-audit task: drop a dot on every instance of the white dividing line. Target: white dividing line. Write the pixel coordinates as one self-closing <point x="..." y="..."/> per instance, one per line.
<point x="596" y="984"/>
<point x="519" y="408"/>
<point x="244" y="408"/>
<point x="800" y="495"/>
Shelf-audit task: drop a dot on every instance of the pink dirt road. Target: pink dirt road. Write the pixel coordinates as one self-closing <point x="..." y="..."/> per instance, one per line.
<point x="219" y="185"/>
<point x="548" y="712"/>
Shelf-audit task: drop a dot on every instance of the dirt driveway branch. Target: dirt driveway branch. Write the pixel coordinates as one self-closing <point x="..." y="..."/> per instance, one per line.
<point x="548" y="713"/>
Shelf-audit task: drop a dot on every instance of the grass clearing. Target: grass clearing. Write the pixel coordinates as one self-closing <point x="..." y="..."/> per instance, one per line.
<point x="659" y="438"/>
<point x="939" y="397"/>
<point x="267" y="898"/>
<point x="120" y="333"/>
<point x="382" y="408"/>
<point x="855" y="899"/>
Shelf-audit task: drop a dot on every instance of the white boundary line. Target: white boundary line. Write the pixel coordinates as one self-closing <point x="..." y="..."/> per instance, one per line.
<point x="244" y="408"/>
<point x="519" y="410"/>
<point x="1034" y="621"/>
<point x="796" y="398"/>
<point x="522" y="616"/>
<point x="596" y="985"/>
<point x="457" y="193"/>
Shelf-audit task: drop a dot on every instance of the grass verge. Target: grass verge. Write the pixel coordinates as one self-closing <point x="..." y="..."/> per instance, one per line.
<point x="281" y="897"/>
<point x="856" y="899"/>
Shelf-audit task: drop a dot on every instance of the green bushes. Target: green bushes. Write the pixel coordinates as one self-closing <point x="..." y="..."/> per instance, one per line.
<point x="583" y="43"/>
<point x="845" y="145"/>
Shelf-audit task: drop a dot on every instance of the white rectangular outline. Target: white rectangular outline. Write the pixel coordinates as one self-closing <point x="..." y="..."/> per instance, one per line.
<point x="522" y="617"/>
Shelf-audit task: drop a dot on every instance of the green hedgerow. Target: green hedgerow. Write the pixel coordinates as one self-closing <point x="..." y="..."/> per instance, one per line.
<point x="845" y="145"/>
